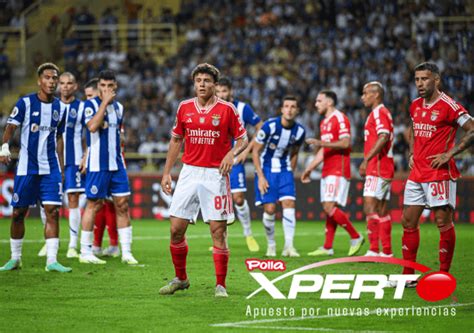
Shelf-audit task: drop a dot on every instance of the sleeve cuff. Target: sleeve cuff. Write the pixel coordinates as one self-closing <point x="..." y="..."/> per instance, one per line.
<point x="13" y="122"/>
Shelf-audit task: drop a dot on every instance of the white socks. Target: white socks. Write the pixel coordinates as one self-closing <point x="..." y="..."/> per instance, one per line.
<point x="52" y="246"/>
<point x="86" y="242"/>
<point x="15" y="246"/>
<point x="243" y="214"/>
<point x="289" y="223"/>
<point x="74" y="223"/>
<point x="125" y="238"/>
<point x="269" y="224"/>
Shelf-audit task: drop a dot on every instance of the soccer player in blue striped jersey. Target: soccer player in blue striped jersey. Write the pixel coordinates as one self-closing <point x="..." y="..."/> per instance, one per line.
<point x="106" y="174"/>
<point x="238" y="184"/>
<point x="74" y="180"/>
<point x="275" y="155"/>
<point x="38" y="174"/>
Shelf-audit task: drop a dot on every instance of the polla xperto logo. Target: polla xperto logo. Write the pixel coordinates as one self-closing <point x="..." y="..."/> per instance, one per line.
<point x="433" y="287"/>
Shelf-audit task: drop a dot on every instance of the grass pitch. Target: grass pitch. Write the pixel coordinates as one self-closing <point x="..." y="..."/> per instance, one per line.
<point x="114" y="297"/>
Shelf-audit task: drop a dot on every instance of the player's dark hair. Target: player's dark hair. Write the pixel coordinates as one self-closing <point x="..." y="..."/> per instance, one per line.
<point x="107" y="75"/>
<point x="428" y="66"/>
<point x="290" y="98"/>
<point x="225" y="81"/>
<point x="330" y="94"/>
<point x="206" y="69"/>
<point x="92" y="83"/>
<point x="46" y="66"/>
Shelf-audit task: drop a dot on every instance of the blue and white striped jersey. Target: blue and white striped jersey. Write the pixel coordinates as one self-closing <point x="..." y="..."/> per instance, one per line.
<point x="246" y="113"/>
<point x="278" y="142"/>
<point x="104" y="145"/>
<point x="39" y="124"/>
<point x="72" y="135"/>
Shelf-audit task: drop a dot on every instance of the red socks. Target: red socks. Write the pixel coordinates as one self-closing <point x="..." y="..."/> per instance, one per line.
<point x="111" y="222"/>
<point x="447" y="242"/>
<point x="373" y="231"/>
<point x="385" y="233"/>
<point x="340" y="218"/>
<point x="331" y="227"/>
<point x="221" y="259"/>
<point x="179" y="252"/>
<point x="99" y="226"/>
<point x="410" y="243"/>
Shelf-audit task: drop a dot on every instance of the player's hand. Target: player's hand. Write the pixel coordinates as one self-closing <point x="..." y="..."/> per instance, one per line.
<point x="363" y="168"/>
<point x="226" y="164"/>
<point x="82" y="166"/>
<point x="305" y="179"/>
<point x="166" y="184"/>
<point x="314" y="142"/>
<point x="411" y="162"/>
<point x="439" y="160"/>
<point x="5" y="155"/>
<point x="108" y="96"/>
<point x="263" y="185"/>
<point x="241" y="158"/>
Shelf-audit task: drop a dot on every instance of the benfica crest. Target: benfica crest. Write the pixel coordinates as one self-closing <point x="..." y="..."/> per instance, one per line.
<point x="434" y="115"/>
<point x="216" y="119"/>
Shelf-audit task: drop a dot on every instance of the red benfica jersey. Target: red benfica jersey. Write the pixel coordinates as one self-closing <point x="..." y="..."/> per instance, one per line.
<point x="207" y="132"/>
<point x="336" y="161"/>
<point x="379" y="122"/>
<point x="434" y="128"/>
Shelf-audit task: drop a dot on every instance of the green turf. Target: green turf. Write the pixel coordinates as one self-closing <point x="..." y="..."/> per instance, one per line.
<point x="114" y="297"/>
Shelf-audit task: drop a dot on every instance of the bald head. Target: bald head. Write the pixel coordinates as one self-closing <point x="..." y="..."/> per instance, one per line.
<point x="67" y="86"/>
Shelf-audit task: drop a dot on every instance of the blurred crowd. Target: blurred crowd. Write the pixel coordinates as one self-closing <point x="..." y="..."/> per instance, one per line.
<point x="273" y="47"/>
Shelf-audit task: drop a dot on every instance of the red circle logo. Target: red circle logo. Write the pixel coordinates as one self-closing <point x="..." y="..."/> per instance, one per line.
<point x="436" y="286"/>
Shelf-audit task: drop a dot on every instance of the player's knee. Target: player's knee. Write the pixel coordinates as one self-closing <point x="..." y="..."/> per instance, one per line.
<point x="328" y="208"/>
<point x="369" y="209"/>
<point x="52" y="212"/>
<point x="177" y="233"/>
<point x="122" y="207"/>
<point x="238" y="200"/>
<point x="19" y="214"/>
<point x="270" y="210"/>
<point x="409" y="222"/>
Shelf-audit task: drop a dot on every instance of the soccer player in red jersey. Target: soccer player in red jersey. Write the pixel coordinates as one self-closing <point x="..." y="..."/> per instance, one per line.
<point x="432" y="180"/>
<point x="207" y="125"/>
<point x="377" y="168"/>
<point x="334" y="149"/>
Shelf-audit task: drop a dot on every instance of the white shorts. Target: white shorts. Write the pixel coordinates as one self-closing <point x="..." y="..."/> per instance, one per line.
<point x="377" y="187"/>
<point x="335" y="189"/>
<point x="205" y="189"/>
<point x="433" y="194"/>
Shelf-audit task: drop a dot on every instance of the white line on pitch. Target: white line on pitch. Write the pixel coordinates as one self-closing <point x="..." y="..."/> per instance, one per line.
<point x="147" y="238"/>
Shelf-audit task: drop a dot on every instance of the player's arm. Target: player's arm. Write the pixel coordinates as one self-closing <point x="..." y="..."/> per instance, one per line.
<point x="228" y="160"/>
<point x="171" y="157"/>
<point x="60" y="150"/>
<point x="243" y="156"/>
<point x="262" y="180"/>
<point x="410" y="135"/>
<point x="5" y="155"/>
<point x="98" y="120"/>
<point x="464" y="143"/>
<point x="382" y="140"/>
<point x="317" y="160"/>
<point x="343" y="143"/>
